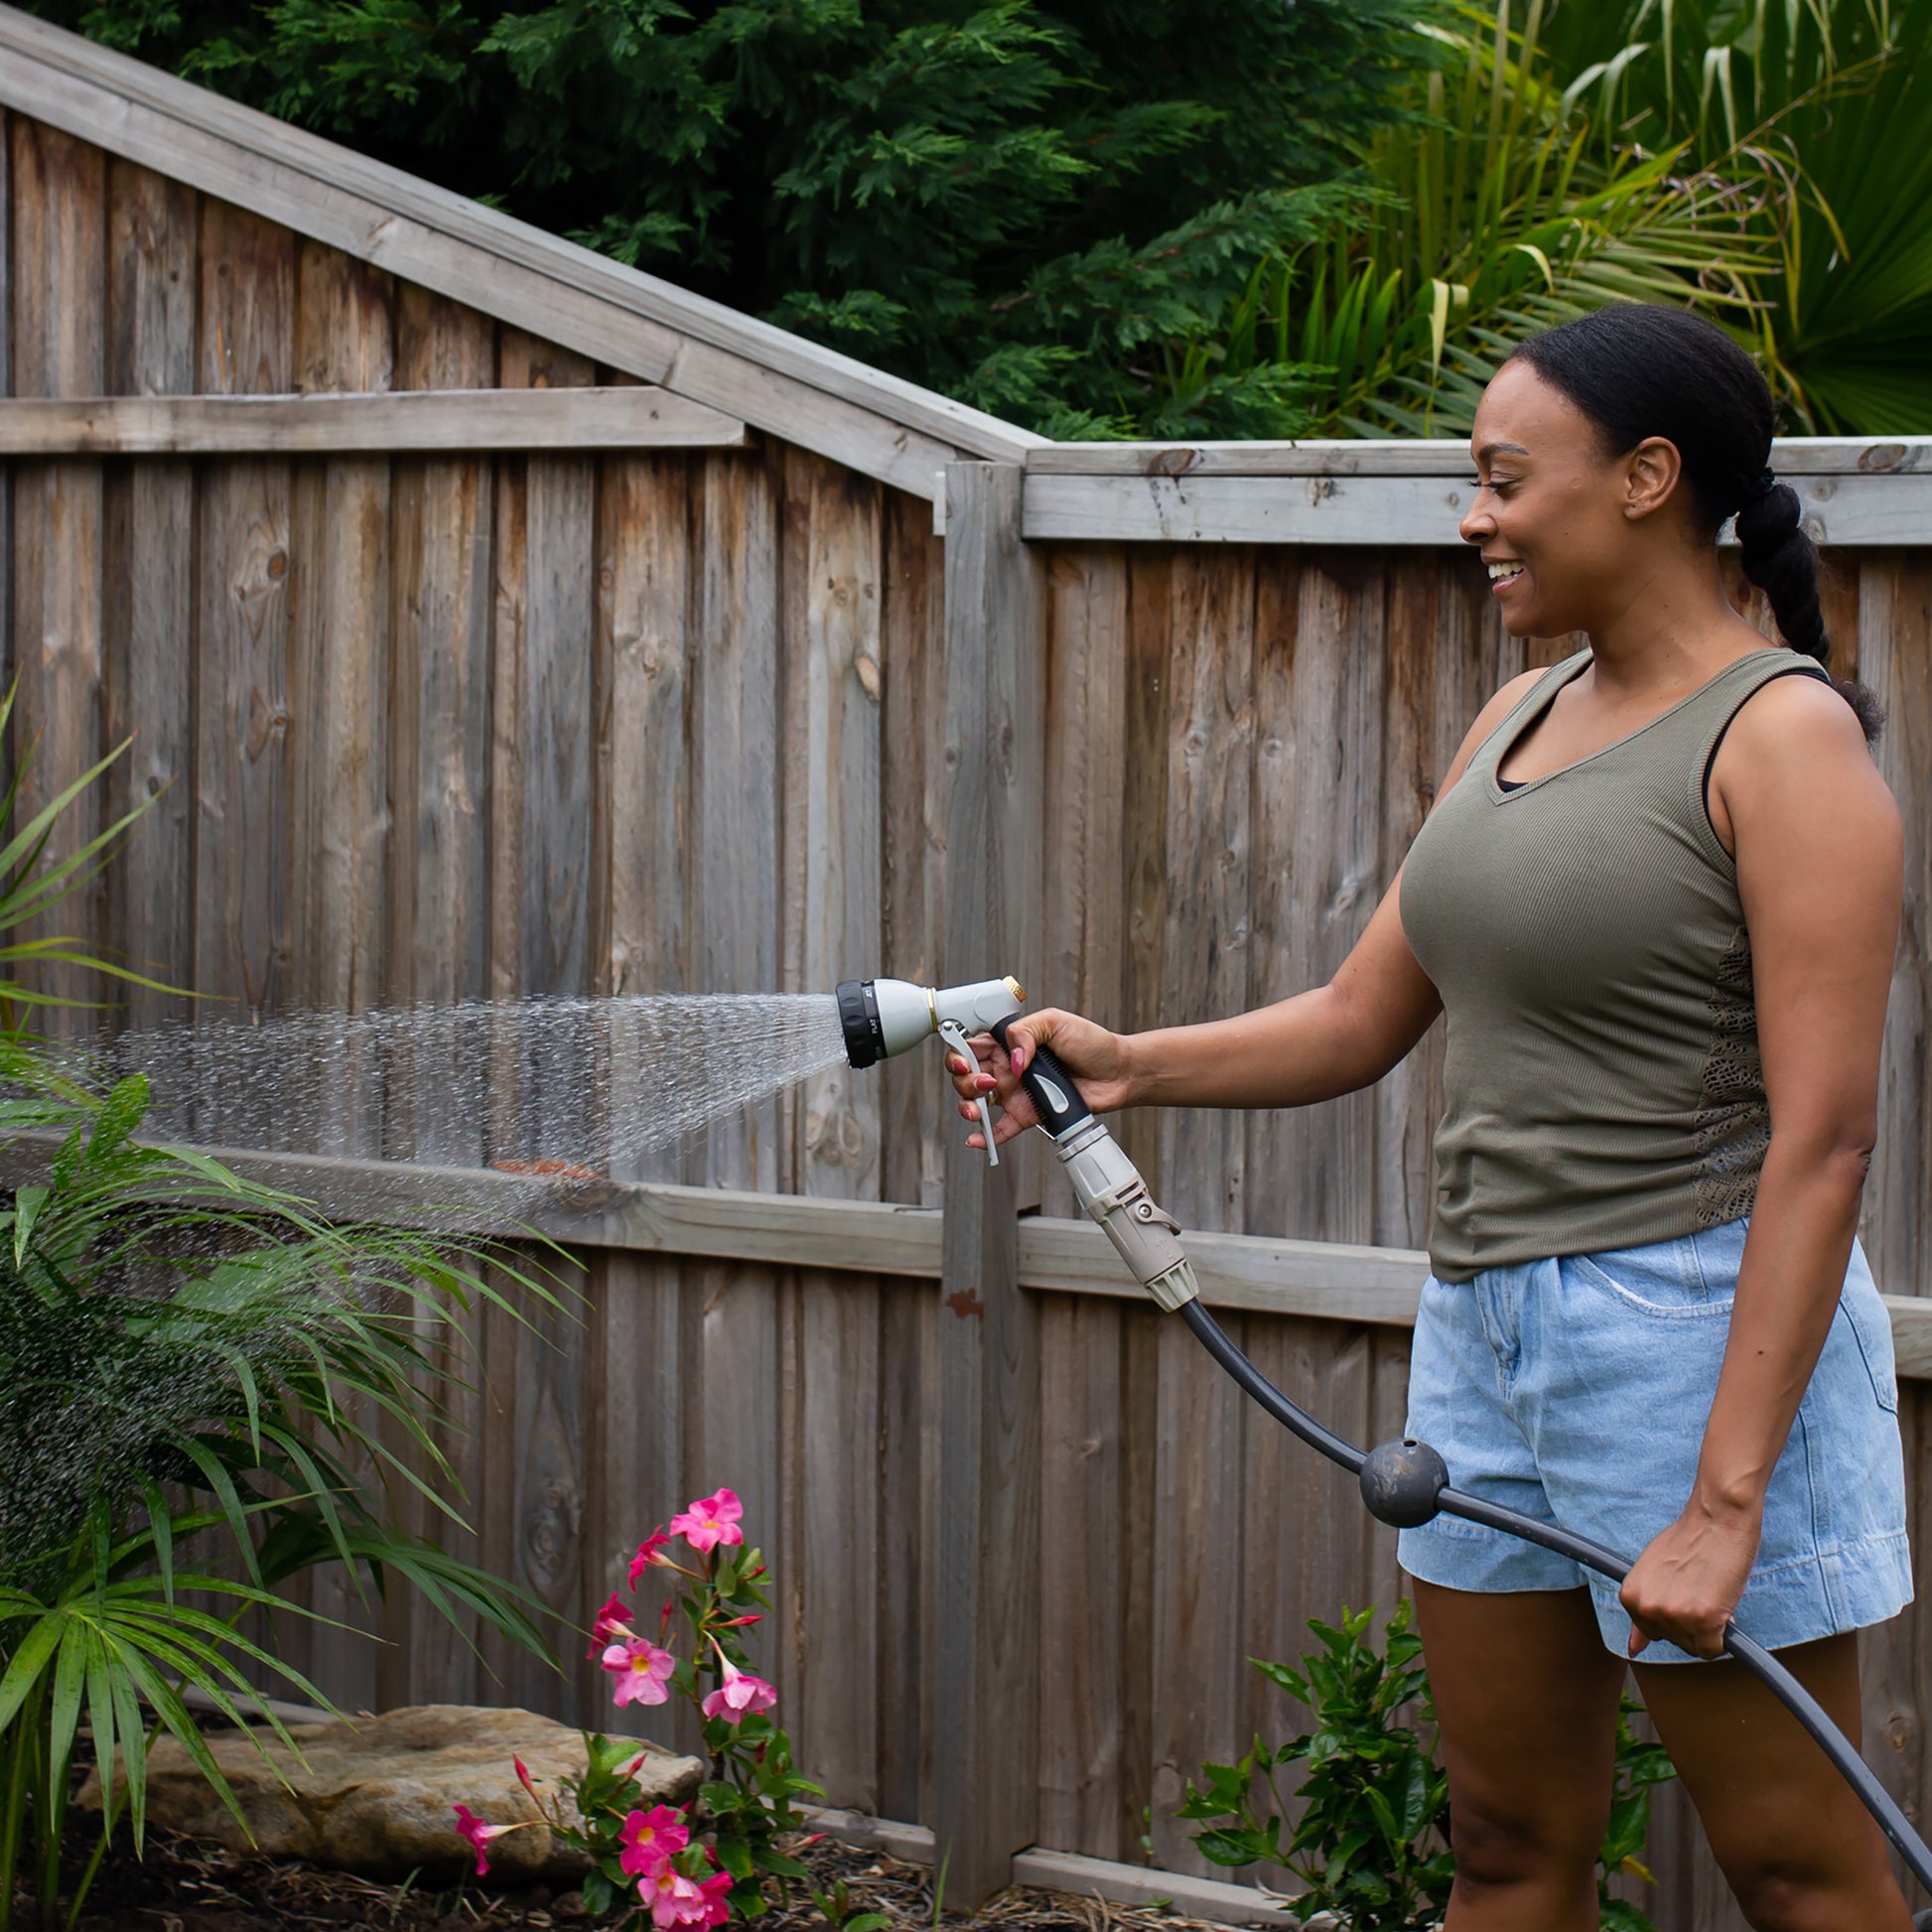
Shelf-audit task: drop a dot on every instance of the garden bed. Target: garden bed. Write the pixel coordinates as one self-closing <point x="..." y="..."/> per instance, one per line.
<point x="186" y="1884"/>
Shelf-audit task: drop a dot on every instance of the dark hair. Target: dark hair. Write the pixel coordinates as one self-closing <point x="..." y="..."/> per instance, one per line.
<point x="1638" y="370"/>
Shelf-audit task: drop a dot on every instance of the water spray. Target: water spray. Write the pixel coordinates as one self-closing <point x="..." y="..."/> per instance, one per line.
<point x="1403" y="1483"/>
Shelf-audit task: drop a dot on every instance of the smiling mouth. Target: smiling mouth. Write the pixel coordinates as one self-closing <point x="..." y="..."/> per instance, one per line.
<point x="1504" y="573"/>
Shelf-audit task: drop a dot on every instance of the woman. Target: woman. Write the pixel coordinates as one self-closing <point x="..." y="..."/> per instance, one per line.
<point x="1658" y="898"/>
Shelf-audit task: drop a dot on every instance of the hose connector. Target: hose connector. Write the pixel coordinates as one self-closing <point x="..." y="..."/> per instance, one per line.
<point x="1112" y="1191"/>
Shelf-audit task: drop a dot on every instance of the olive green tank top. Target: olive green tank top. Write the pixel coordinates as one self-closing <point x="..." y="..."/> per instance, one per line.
<point x="1583" y="929"/>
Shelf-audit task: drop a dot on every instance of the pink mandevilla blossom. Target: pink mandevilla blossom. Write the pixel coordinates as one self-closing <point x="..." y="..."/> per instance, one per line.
<point x="674" y="1899"/>
<point x="647" y="1554"/>
<point x="641" y="1669"/>
<point x="469" y="1826"/>
<point x="612" y="1622"/>
<point x="710" y="1521"/>
<point x="741" y="1695"/>
<point x="650" y="1838"/>
<point x="717" y="1893"/>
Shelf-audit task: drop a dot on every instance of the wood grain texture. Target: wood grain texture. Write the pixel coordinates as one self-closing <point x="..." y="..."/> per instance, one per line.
<point x="340" y="678"/>
<point x="983" y="1797"/>
<point x="915" y="1104"/>
<point x="1088" y="1552"/>
<point x="1421" y="455"/>
<point x="643" y="805"/>
<point x="1319" y="705"/>
<point x="319" y="423"/>
<point x="1896" y="659"/>
<point x="1197" y="1583"/>
<point x="1206" y="947"/>
<point x="246" y="322"/>
<point x="736" y="759"/>
<point x="442" y="517"/>
<point x="57" y="326"/>
<point x="148" y="618"/>
<point x="833" y="923"/>
<point x="543" y="773"/>
<point x="1349" y="510"/>
<point x="834" y="693"/>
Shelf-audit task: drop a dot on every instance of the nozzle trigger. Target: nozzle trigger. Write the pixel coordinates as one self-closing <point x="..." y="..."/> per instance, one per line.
<point x="955" y="1036"/>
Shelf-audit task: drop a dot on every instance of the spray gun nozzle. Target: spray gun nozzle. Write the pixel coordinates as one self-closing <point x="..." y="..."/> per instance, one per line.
<point x="881" y="1018"/>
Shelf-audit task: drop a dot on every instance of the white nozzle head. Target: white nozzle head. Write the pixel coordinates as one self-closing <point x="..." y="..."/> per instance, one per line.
<point x="887" y="1017"/>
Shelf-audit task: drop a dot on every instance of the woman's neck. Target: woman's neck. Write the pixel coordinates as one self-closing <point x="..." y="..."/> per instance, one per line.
<point x="1672" y="630"/>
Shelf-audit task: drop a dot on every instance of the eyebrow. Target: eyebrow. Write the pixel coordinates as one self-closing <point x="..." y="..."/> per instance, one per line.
<point x="1500" y="449"/>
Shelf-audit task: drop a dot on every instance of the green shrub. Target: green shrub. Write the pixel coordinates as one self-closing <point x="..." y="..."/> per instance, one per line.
<point x="1371" y="1845"/>
<point x="191" y="1363"/>
<point x="204" y="1390"/>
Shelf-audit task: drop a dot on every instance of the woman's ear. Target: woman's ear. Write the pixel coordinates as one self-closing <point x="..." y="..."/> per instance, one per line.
<point x="1651" y="474"/>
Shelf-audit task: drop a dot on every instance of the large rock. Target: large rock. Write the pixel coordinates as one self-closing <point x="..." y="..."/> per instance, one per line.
<point x="378" y="1796"/>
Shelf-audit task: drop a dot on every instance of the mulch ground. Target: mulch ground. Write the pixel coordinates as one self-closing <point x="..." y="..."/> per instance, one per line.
<point x="186" y="1884"/>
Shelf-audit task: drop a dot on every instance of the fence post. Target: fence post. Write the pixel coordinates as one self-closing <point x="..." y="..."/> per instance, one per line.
<point x="986" y="1751"/>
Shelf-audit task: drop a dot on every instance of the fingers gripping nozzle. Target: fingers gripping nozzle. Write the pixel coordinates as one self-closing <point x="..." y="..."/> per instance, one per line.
<point x="881" y="1018"/>
<point x="1106" y="1183"/>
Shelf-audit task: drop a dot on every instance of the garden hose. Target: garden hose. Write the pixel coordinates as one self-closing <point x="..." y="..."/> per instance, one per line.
<point x="1404" y="1483"/>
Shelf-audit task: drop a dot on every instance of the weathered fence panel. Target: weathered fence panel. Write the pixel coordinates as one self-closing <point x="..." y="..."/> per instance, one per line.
<point x="433" y="723"/>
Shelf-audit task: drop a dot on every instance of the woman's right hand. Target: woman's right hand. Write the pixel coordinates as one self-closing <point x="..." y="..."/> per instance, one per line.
<point x="1095" y="1057"/>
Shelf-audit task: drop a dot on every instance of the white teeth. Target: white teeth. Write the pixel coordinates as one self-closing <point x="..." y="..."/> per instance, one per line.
<point x="1500" y="573"/>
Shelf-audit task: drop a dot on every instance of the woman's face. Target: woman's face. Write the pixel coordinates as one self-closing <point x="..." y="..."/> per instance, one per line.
<point x="1559" y="524"/>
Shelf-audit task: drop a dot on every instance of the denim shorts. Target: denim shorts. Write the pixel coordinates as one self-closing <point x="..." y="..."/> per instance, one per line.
<point x="1576" y="1390"/>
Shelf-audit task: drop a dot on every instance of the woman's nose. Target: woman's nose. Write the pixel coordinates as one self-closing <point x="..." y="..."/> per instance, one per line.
<point x="1476" y="524"/>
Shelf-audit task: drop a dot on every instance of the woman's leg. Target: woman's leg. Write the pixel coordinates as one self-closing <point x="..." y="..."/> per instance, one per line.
<point x="1527" y="1695"/>
<point x="1797" y="1848"/>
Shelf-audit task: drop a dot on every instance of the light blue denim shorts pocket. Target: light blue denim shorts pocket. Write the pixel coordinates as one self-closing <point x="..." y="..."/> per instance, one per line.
<point x="1577" y="1389"/>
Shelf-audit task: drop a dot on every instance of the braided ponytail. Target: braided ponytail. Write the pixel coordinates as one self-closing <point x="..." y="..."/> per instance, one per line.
<point x="1638" y="370"/>
<point x="1782" y="560"/>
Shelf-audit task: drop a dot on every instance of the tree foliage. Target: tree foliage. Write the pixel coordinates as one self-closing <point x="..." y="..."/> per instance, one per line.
<point x="1012" y="200"/>
<point x="1837" y="96"/>
<point x="1503" y="210"/>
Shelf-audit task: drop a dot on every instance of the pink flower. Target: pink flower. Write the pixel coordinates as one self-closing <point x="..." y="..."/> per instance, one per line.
<point x="717" y="1895"/>
<point x="523" y="1778"/>
<point x="470" y="1826"/>
<point x="741" y="1695"/>
<point x="647" y="1555"/>
<point x="710" y="1521"/>
<point x="651" y="1838"/>
<point x="612" y="1622"/>
<point x="641" y="1670"/>
<point x="673" y="1898"/>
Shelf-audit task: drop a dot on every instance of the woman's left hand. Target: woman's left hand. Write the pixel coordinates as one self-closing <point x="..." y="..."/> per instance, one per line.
<point x="1684" y="1585"/>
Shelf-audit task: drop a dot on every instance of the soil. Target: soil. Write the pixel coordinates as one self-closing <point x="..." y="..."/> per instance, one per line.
<point x="186" y="1884"/>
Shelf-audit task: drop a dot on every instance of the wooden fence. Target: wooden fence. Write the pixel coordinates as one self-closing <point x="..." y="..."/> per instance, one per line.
<point x="441" y="699"/>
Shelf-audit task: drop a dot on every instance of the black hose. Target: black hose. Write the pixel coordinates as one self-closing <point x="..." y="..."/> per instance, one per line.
<point x="1592" y="1556"/>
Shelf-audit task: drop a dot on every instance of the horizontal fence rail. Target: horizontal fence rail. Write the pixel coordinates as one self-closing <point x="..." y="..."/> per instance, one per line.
<point x="1328" y="1280"/>
<point x="341" y="424"/>
<point x="1855" y="492"/>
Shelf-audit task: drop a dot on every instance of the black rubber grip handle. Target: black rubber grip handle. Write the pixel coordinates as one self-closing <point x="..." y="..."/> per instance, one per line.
<point x="1049" y="1086"/>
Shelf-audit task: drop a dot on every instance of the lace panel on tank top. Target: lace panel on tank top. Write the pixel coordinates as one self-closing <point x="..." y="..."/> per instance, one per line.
<point x="1733" y="1124"/>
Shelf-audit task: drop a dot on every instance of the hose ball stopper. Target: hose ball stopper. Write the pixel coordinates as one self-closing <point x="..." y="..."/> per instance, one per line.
<point x="1402" y="1481"/>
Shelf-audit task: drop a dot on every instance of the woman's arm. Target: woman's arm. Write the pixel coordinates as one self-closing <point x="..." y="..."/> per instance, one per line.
<point x="1819" y="874"/>
<point x="1328" y="1040"/>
